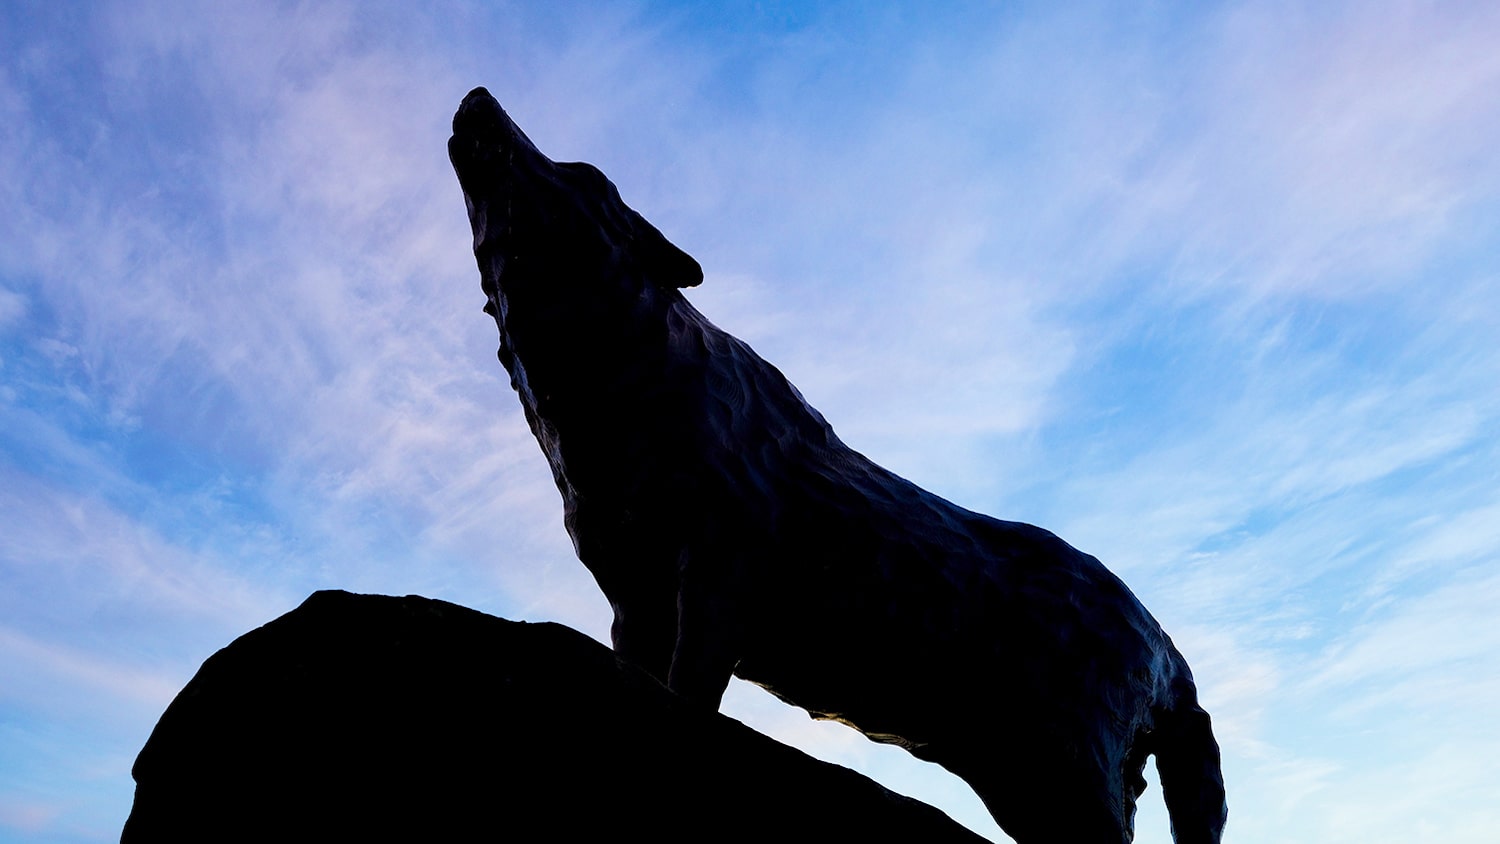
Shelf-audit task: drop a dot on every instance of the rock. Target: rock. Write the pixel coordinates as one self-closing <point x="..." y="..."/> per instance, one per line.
<point x="365" y="717"/>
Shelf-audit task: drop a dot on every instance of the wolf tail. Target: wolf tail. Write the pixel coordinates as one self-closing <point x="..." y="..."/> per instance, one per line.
<point x="1187" y="760"/>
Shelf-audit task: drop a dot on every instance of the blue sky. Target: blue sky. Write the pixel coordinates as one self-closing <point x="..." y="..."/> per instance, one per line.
<point x="1209" y="289"/>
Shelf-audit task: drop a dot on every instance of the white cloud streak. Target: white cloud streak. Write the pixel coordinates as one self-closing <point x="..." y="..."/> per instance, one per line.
<point x="1207" y="295"/>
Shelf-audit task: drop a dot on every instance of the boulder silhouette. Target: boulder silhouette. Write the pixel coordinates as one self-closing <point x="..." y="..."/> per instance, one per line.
<point x="373" y="718"/>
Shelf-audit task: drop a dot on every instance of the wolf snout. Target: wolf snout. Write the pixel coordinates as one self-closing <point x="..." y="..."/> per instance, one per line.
<point x="479" y="116"/>
<point x="486" y="143"/>
<point x="483" y="144"/>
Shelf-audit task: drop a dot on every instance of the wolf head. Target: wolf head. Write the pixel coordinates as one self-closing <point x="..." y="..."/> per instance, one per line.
<point x="569" y="270"/>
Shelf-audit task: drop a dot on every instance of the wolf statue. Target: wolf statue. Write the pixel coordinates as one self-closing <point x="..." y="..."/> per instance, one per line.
<point x="733" y="533"/>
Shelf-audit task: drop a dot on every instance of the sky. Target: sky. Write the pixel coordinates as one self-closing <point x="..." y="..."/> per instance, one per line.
<point x="1208" y="289"/>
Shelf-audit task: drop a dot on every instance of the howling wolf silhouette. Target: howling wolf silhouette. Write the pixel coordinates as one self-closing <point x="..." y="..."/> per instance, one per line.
<point x="733" y="533"/>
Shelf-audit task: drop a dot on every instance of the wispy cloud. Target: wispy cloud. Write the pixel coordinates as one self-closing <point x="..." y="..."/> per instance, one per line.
<point x="1208" y="291"/>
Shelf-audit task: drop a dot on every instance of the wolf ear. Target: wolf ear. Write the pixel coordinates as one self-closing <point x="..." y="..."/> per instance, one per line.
<point x="667" y="265"/>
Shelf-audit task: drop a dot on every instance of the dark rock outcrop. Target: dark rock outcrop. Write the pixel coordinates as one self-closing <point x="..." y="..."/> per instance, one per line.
<point x="367" y="718"/>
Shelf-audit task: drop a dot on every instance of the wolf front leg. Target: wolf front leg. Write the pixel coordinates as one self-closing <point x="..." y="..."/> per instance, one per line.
<point x="709" y="633"/>
<point x="644" y="631"/>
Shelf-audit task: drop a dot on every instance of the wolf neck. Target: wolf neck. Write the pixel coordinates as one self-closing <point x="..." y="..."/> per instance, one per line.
<point x="741" y="391"/>
<point x="632" y="408"/>
<point x="597" y="402"/>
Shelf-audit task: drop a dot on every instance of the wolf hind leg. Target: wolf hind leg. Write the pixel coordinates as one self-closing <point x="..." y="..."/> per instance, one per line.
<point x="1042" y="798"/>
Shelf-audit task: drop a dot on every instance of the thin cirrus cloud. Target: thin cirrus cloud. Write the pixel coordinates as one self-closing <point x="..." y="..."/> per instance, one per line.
<point x="1203" y="289"/>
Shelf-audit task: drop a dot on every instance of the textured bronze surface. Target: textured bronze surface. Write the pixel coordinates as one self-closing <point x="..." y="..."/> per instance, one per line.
<point x="732" y="531"/>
